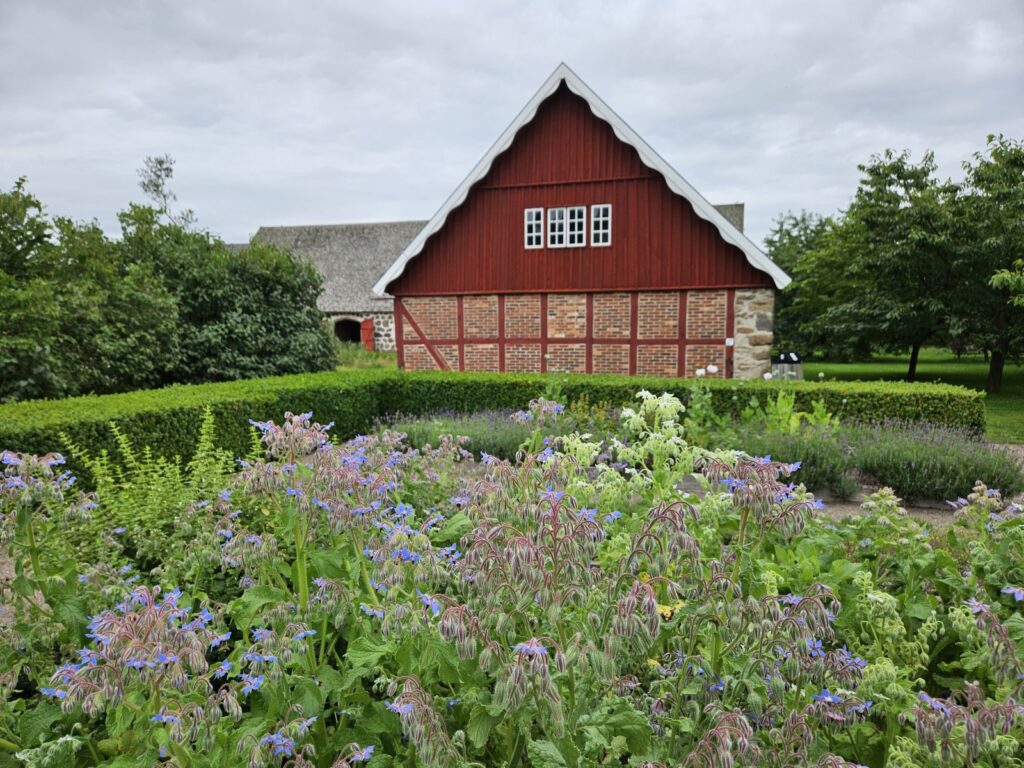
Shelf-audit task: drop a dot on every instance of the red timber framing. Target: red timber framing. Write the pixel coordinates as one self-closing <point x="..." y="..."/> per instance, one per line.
<point x="668" y="333"/>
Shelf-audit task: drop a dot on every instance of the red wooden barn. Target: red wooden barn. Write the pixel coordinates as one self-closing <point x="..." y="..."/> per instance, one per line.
<point x="572" y="246"/>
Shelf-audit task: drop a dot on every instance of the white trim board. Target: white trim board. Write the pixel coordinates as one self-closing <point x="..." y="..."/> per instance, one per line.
<point x="650" y="158"/>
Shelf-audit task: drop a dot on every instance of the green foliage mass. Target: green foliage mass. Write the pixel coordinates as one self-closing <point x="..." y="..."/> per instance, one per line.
<point x="83" y="313"/>
<point x="168" y="419"/>
<point x="912" y="261"/>
<point x="347" y="603"/>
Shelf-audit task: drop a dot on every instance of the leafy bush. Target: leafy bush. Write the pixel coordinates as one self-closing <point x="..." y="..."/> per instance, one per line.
<point x="83" y="313"/>
<point x="490" y="432"/>
<point x="928" y="462"/>
<point x="168" y="419"/>
<point x="827" y="461"/>
<point x="853" y="400"/>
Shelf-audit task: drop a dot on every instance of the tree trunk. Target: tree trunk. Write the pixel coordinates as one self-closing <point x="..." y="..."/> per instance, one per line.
<point x="999" y="352"/>
<point x="995" y="372"/>
<point x="914" y="352"/>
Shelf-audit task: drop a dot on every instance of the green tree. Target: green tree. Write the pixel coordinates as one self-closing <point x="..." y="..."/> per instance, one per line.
<point x="793" y="243"/>
<point x="241" y="315"/>
<point x="891" y="260"/>
<point x="993" y="215"/>
<point x="118" y="322"/>
<point x="29" y="313"/>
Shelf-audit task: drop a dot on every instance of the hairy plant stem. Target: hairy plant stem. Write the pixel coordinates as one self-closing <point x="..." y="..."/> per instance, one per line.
<point x="740" y="540"/>
<point x="572" y="678"/>
<point x="517" y="747"/>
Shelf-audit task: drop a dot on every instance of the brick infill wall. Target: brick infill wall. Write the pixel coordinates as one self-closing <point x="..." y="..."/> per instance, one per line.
<point x="663" y="333"/>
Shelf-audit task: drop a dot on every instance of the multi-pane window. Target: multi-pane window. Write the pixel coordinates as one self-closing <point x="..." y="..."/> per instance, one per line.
<point x="533" y="224"/>
<point x="556" y="227"/>
<point x="566" y="227"/>
<point x="601" y="224"/>
<point x="577" y="217"/>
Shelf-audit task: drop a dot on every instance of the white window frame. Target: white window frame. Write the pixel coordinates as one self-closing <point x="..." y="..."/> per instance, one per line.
<point x="557" y="220"/>
<point x="576" y="226"/>
<point x="533" y="228"/>
<point x="600" y="238"/>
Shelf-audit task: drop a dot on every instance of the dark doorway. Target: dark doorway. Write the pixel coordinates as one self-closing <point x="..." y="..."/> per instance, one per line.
<point x="347" y="330"/>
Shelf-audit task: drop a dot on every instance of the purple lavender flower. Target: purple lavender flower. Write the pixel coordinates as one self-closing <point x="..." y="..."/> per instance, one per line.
<point x="1017" y="592"/>
<point x="814" y="648"/>
<point x="937" y="704"/>
<point x="431" y="602"/>
<point x="219" y="639"/>
<point x="976" y="605"/>
<point x="371" y="610"/>
<point x="532" y="647"/>
<point x="251" y="683"/>
<point x="733" y="484"/>
<point x="399" y="709"/>
<point x="827" y="698"/>
<point x="279" y="743"/>
<point x="361" y="754"/>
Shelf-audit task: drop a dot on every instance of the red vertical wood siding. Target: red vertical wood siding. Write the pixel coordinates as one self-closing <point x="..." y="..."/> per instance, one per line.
<point x="567" y="156"/>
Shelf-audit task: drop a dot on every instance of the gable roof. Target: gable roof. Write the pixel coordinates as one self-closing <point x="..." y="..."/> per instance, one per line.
<point x="350" y="257"/>
<point x="650" y="158"/>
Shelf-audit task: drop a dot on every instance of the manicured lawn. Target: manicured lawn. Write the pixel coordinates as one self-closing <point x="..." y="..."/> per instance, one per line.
<point x="1004" y="412"/>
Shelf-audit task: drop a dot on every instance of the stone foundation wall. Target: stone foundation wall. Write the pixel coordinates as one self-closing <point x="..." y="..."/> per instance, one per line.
<point x="655" y="333"/>
<point x="754" y="319"/>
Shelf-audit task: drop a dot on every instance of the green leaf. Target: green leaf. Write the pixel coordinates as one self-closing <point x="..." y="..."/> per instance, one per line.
<point x="365" y="653"/>
<point x="330" y="680"/>
<point x="245" y="608"/>
<point x="617" y="719"/>
<point x="454" y="529"/>
<point x="307" y="695"/>
<point x="23" y="586"/>
<point x="919" y="607"/>
<point x="72" y="612"/>
<point x="480" y="725"/>
<point x="544" y="754"/>
<point x="326" y="563"/>
<point x="37" y="722"/>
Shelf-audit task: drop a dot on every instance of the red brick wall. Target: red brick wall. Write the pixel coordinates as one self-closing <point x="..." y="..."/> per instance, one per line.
<point x="662" y="333"/>
<point x="611" y="315"/>
<point x="705" y="314"/>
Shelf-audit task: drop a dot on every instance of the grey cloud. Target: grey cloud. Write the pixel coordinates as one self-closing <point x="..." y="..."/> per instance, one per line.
<point x="281" y="113"/>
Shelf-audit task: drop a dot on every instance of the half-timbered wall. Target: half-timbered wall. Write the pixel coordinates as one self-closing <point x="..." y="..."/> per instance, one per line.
<point x="661" y="333"/>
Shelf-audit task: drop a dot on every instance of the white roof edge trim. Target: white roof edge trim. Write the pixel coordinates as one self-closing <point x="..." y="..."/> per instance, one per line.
<point x="755" y="257"/>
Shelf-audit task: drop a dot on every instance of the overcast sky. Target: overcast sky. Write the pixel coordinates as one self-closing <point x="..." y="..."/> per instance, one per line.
<point x="330" y="112"/>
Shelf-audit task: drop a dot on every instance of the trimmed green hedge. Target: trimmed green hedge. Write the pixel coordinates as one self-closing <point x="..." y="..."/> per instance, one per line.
<point x="943" y="404"/>
<point x="168" y="419"/>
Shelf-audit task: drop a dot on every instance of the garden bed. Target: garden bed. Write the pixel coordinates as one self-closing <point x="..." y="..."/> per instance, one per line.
<point x="370" y="602"/>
